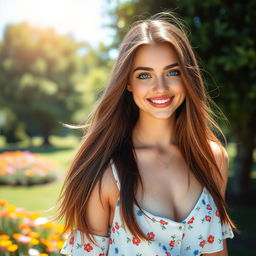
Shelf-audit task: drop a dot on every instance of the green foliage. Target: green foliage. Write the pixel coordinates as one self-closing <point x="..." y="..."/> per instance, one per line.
<point x="46" y="81"/>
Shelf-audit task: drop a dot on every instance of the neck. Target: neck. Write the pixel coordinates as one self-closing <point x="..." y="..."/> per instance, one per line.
<point x="154" y="134"/>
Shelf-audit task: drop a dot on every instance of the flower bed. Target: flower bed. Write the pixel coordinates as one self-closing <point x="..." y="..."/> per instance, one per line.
<point x="27" y="233"/>
<point x="25" y="168"/>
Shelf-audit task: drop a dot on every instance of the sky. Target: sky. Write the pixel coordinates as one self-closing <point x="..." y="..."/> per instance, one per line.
<point x="81" y="18"/>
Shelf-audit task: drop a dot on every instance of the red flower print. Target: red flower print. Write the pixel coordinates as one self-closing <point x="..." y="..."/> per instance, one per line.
<point x="210" y="239"/>
<point x="71" y="241"/>
<point x="88" y="247"/>
<point x="183" y="235"/>
<point x="208" y="207"/>
<point x="168" y="254"/>
<point x="217" y="213"/>
<point x="208" y="218"/>
<point x="191" y="220"/>
<point x="202" y="243"/>
<point x="110" y="241"/>
<point x="136" y="241"/>
<point x="117" y="226"/>
<point x="151" y="235"/>
<point x="163" y="222"/>
<point x="101" y="254"/>
<point x="113" y="230"/>
<point x="172" y="243"/>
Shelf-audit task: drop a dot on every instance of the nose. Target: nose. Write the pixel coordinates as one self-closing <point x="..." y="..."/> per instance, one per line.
<point x="160" y="84"/>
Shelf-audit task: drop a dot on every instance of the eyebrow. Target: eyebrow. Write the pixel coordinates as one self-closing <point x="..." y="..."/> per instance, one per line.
<point x="151" y="69"/>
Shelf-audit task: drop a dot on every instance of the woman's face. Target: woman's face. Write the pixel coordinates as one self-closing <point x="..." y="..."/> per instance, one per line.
<point x="156" y="81"/>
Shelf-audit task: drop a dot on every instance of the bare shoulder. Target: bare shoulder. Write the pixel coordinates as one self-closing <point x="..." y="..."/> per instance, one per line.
<point x="222" y="161"/>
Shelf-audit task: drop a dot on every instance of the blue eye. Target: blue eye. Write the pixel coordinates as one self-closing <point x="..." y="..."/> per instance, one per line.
<point x="144" y="76"/>
<point x="175" y="72"/>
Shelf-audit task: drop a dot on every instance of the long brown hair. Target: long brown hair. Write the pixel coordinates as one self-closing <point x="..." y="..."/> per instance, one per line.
<point x="110" y="125"/>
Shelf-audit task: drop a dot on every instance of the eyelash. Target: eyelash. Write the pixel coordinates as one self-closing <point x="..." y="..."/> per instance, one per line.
<point x="142" y="75"/>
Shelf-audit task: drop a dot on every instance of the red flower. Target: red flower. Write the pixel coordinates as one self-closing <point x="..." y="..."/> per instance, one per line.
<point x="172" y="243"/>
<point x="88" y="247"/>
<point x="151" y="235"/>
<point x="71" y="241"/>
<point x="113" y="230"/>
<point x="208" y="207"/>
<point x="191" y="220"/>
<point x="210" y="239"/>
<point x="101" y="254"/>
<point x="135" y="241"/>
<point x="202" y="243"/>
<point x="116" y="225"/>
<point x="208" y="218"/>
<point x="110" y="241"/>
<point x="168" y="254"/>
<point x="163" y="222"/>
<point x="183" y="235"/>
<point x="217" y="213"/>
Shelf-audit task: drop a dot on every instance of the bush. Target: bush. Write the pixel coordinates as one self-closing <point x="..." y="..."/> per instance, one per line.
<point x="25" y="168"/>
<point x="27" y="233"/>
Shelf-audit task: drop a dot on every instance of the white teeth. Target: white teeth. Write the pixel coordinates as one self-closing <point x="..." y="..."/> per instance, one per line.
<point x="160" y="101"/>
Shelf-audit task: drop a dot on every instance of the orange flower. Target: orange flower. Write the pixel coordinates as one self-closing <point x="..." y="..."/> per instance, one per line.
<point x="3" y="202"/>
<point x="4" y="237"/>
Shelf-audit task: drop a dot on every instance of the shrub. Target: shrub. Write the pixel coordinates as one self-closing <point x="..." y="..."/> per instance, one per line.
<point x="25" y="168"/>
<point x="27" y="233"/>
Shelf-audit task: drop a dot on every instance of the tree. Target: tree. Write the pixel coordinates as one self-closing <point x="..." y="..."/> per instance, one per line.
<point x="37" y="69"/>
<point x="222" y="33"/>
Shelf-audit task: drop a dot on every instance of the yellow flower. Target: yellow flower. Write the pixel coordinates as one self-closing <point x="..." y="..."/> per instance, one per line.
<point x="11" y="208"/>
<point x="12" y="248"/>
<point x="43" y="254"/>
<point x="5" y="243"/>
<point x="59" y="229"/>
<point x="34" y="241"/>
<point x="35" y="234"/>
<point x="60" y="244"/>
<point x="48" y="225"/>
<point x="33" y="216"/>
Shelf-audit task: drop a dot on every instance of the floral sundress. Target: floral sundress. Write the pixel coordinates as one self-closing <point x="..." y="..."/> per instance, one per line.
<point x="201" y="232"/>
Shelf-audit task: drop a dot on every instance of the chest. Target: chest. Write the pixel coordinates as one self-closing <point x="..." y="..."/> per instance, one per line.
<point x="170" y="189"/>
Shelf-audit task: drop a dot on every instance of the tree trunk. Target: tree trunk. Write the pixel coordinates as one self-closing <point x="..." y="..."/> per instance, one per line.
<point x="46" y="134"/>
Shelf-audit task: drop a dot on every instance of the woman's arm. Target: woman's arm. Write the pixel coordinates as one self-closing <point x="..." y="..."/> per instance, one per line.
<point x="98" y="207"/>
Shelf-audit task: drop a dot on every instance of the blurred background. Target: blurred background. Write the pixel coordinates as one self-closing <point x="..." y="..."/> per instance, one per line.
<point x="55" y="59"/>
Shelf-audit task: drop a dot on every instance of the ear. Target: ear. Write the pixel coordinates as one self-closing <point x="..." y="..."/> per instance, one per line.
<point x="129" y="87"/>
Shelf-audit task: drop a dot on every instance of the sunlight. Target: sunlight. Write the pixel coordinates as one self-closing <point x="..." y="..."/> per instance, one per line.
<point x="81" y="18"/>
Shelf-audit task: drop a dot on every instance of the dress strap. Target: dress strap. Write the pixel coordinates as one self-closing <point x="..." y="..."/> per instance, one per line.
<point x="114" y="170"/>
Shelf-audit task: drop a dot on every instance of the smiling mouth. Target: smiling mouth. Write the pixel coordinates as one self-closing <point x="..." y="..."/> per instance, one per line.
<point x="161" y="101"/>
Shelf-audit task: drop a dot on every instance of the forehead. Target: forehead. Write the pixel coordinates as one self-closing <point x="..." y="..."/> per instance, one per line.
<point x="150" y="55"/>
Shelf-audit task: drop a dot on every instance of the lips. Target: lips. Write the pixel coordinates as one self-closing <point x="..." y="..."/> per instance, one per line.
<point x="160" y="102"/>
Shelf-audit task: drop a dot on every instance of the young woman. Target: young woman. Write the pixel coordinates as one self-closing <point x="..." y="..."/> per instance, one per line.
<point x="150" y="176"/>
